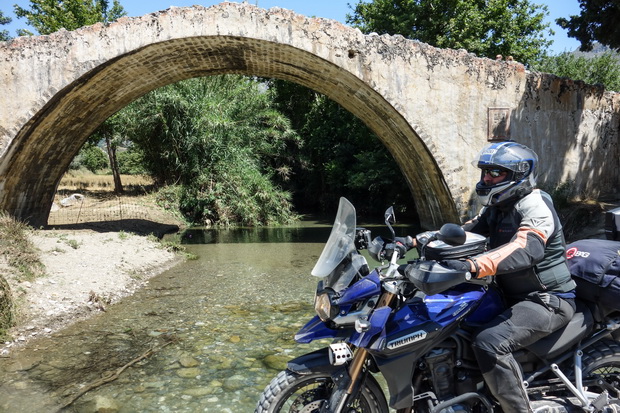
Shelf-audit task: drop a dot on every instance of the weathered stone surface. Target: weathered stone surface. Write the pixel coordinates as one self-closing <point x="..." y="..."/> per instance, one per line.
<point x="429" y="106"/>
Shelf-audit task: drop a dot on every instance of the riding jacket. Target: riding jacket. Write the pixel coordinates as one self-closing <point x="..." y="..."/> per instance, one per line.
<point x="527" y="246"/>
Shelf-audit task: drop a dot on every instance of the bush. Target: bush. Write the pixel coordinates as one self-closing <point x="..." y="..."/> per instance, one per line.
<point x="93" y="158"/>
<point x="130" y="162"/>
<point x="249" y="199"/>
<point x="168" y="197"/>
<point x="19" y="251"/>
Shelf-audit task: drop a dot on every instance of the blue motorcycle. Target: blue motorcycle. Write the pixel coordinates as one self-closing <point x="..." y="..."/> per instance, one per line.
<point x="414" y="328"/>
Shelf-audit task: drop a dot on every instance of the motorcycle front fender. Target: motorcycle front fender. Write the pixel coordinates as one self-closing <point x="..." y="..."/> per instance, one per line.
<point x="315" y="362"/>
<point x="316" y="329"/>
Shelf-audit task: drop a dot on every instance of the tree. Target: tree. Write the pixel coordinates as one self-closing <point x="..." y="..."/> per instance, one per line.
<point x="598" y="21"/>
<point x="4" y="34"/>
<point x="603" y="69"/>
<point x="49" y="16"/>
<point x="93" y="158"/>
<point x="221" y="139"/>
<point x="484" y="27"/>
<point x="108" y="130"/>
<point x="340" y="157"/>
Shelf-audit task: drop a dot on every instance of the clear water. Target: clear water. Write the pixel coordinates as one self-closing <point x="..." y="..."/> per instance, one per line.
<point x="226" y="323"/>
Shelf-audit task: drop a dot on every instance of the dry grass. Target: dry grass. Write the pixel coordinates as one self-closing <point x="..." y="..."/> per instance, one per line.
<point x="86" y="181"/>
<point x="97" y="203"/>
<point x="19" y="260"/>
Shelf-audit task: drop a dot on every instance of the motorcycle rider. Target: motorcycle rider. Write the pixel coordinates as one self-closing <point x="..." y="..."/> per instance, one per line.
<point x="527" y="256"/>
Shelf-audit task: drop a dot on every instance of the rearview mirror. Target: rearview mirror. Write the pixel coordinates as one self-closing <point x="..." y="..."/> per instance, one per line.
<point x="390" y="218"/>
<point x="452" y="234"/>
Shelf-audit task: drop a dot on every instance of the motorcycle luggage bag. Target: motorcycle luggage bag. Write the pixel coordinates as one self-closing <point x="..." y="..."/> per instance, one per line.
<point x="595" y="267"/>
<point x="438" y="250"/>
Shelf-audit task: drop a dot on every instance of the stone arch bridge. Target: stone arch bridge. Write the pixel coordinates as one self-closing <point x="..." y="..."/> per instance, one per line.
<point x="432" y="108"/>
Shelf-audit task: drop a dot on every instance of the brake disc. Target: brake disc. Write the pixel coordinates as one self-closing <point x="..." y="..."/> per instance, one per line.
<point x="312" y="407"/>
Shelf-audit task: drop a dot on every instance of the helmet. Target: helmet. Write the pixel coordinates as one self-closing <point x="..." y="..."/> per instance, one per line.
<point x="518" y="160"/>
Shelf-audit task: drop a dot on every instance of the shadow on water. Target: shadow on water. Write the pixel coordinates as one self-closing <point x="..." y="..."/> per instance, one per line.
<point x="317" y="232"/>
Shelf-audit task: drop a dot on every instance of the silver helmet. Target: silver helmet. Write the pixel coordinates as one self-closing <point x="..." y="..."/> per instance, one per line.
<point x="518" y="160"/>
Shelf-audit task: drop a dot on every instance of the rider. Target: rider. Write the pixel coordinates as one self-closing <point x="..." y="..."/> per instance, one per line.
<point x="527" y="254"/>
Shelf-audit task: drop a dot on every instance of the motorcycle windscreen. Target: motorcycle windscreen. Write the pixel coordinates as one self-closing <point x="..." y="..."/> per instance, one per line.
<point x="341" y="240"/>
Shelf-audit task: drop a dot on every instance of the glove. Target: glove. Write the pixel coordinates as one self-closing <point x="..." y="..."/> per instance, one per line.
<point x="396" y="246"/>
<point x="406" y="241"/>
<point x="457" y="265"/>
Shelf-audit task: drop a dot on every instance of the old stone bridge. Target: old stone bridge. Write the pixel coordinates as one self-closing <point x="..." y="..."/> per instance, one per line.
<point x="432" y="108"/>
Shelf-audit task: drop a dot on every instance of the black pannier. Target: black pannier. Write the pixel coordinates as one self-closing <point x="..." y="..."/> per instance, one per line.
<point x="595" y="267"/>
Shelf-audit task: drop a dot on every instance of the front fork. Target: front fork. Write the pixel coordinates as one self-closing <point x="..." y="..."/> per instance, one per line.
<point x="348" y="381"/>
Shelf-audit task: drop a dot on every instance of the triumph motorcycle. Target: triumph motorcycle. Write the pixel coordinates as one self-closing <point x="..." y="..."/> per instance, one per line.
<point x="415" y="331"/>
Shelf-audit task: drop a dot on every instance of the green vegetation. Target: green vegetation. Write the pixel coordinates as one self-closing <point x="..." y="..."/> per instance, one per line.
<point x="486" y="28"/>
<point x="598" y="21"/>
<point x="92" y="158"/>
<point x="340" y="157"/>
<point x="7" y="316"/>
<point x="4" y="34"/>
<point x="49" y="16"/>
<point x="223" y="142"/>
<point x="603" y="69"/>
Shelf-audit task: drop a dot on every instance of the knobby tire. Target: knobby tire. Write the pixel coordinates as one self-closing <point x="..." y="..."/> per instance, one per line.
<point x="290" y="392"/>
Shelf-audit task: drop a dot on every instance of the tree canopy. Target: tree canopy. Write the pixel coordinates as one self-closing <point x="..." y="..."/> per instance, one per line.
<point x="598" y="22"/>
<point x="484" y="27"/>
<point x="340" y="156"/>
<point x="4" y="34"/>
<point x="49" y="16"/>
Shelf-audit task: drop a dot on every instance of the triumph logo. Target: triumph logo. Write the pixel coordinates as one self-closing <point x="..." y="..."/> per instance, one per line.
<point x="408" y="339"/>
<point x="574" y="252"/>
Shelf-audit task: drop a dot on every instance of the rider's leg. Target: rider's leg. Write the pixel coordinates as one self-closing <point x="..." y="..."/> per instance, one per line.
<point x="524" y="323"/>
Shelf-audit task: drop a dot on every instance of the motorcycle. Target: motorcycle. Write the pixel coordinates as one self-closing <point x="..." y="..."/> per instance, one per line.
<point x="415" y="329"/>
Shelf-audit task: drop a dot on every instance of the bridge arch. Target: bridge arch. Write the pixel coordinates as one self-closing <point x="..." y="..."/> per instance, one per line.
<point x="430" y="107"/>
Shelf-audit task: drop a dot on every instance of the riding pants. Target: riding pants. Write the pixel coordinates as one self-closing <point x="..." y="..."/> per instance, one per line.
<point x="522" y="324"/>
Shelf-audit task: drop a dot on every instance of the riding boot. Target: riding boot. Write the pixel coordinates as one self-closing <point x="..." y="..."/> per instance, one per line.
<point x="505" y="382"/>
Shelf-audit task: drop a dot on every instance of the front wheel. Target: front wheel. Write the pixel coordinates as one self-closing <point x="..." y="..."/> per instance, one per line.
<point x="290" y="392"/>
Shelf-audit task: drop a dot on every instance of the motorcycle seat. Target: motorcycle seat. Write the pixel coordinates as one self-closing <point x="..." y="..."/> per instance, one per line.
<point x="561" y="340"/>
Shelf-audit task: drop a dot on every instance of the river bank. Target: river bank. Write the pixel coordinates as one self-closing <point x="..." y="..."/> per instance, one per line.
<point x="85" y="271"/>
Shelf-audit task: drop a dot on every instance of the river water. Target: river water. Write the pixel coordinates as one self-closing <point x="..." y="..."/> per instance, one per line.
<point x="205" y="336"/>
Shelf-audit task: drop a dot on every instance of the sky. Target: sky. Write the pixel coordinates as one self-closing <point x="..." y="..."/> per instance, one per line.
<point x="331" y="9"/>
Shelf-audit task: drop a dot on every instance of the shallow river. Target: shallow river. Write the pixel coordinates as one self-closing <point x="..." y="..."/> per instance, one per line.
<point x="205" y="336"/>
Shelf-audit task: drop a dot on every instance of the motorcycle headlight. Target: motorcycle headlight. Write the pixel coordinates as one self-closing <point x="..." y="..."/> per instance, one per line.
<point x="324" y="307"/>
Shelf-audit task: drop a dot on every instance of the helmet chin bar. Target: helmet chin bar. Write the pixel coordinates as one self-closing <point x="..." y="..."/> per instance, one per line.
<point x="495" y="194"/>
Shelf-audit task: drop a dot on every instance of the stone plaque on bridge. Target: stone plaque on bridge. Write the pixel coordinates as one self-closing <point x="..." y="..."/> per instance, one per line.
<point x="498" y="124"/>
